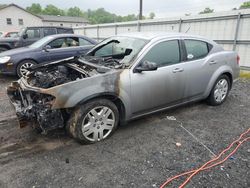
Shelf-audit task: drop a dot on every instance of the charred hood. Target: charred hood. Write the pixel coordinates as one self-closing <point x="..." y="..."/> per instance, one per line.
<point x="51" y="74"/>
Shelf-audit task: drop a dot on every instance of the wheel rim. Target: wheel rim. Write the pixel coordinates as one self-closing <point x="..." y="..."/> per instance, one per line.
<point x="220" y="91"/>
<point x="98" y="123"/>
<point x="23" y="68"/>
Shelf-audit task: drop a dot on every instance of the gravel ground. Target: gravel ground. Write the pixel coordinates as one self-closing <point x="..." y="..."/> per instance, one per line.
<point x="140" y="154"/>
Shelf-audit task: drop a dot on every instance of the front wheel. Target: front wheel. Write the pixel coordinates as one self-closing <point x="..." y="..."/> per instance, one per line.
<point x="220" y="91"/>
<point x="22" y="67"/>
<point x="93" y="121"/>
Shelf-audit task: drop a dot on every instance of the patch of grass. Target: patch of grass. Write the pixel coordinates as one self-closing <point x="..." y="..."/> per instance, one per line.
<point x="245" y="74"/>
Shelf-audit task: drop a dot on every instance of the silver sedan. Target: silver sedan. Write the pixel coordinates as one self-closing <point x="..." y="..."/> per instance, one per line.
<point x="122" y="78"/>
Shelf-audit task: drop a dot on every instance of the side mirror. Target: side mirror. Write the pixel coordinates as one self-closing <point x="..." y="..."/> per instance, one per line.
<point x="146" y="66"/>
<point x="25" y="36"/>
<point x="47" y="48"/>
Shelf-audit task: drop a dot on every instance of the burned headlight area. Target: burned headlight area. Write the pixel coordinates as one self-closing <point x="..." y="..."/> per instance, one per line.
<point x="36" y="107"/>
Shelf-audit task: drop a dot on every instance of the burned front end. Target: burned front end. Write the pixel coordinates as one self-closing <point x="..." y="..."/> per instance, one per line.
<point x="34" y="97"/>
<point x="48" y="94"/>
<point x="33" y="106"/>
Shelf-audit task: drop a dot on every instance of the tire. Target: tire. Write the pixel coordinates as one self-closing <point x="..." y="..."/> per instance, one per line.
<point x="87" y="124"/>
<point x="220" y="91"/>
<point x="21" y="67"/>
<point x="3" y="49"/>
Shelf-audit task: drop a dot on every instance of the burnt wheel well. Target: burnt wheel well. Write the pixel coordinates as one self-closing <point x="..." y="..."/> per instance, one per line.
<point x="116" y="100"/>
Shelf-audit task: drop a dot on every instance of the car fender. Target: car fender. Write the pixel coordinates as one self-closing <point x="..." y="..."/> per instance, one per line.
<point x="221" y="70"/>
<point x="72" y="93"/>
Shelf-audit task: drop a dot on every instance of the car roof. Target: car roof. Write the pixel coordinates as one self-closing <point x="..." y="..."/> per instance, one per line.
<point x="158" y="35"/>
<point x="58" y="27"/>
<point x="72" y="35"/>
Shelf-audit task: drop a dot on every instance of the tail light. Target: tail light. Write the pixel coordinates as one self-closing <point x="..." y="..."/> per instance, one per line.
<point x="238" y="59"/>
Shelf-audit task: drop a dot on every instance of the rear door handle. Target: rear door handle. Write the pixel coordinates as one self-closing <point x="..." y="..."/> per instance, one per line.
<point x="178" y="70"/>
<point x="213" y="62"/>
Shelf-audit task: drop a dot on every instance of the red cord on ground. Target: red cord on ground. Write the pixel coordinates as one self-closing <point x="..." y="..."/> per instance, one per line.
<point x="206" y="166"/>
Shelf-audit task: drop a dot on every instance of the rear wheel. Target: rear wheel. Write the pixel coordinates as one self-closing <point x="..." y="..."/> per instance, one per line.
<point x="22" y="67"/>
<point x="93" y="121"/>
<point x="220" y="91"/>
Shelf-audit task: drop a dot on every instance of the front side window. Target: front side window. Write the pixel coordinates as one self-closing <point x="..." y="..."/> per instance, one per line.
<point x="8" y="20"/>
<point x="57" y="43"/>
<point x="49" y="31"/>
<point x="64" y="42"/>
<point x="33" y="33"/>
<point x="196" y="49"/>
<point x="164" y="53"/>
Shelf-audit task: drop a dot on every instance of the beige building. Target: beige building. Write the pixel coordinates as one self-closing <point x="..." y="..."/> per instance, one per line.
<point x="66" y="21"/>
<point x="14" y="17"/>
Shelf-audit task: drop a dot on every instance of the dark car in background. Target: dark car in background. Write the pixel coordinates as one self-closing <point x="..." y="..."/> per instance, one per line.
<point x="29" y="35"/>
<point x="47" y="49"/>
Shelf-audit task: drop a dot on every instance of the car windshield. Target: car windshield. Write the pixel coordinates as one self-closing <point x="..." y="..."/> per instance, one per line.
<point x="41" y="42"/>
<point x="119" y="47"/>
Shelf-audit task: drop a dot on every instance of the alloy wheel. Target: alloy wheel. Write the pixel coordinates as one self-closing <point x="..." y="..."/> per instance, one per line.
<point x="221" y="90"/>
<point x="23" y="68"/>
<point x="98" y="123"/>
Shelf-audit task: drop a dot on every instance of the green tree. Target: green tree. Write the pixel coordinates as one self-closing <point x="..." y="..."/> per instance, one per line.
<point x="130" y="17"/>
<point x="53" y="10"/>
<point x="245" y="5"/>
<point x="75" y="11"/>
<point x="100" y="16"/>
<point x="151" y="15"/>
<point x="207" y="10"/>
<point x="35" y="8"/>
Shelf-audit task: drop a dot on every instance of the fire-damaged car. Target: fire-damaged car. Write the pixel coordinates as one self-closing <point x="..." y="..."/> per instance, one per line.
<point x="122" y="78"/>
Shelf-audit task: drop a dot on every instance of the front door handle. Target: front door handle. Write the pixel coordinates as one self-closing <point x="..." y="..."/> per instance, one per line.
<point x="178" y="70"/>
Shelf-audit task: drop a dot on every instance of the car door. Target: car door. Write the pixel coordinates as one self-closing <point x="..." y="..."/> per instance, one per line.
<point x="160" y="88"/>
<point x="198" y="67"/>
<point x="31" y="35"/>
<point x="63" y="47"/>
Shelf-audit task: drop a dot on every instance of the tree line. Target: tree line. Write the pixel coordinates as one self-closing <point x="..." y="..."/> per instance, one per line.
<point x="97" y="16"/>
<point x="244" y="5"/>
<point x="100" y="15"/>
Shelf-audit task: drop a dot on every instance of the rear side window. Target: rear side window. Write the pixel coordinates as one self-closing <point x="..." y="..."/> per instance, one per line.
<point x="164" y="53"/>
<point x="64" y="30"/>
<point x="83" y="42"/>
<point x="49" y="31"/>
<point x="196" y="49"/>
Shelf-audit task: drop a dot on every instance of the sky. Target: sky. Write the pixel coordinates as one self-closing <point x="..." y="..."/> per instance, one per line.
<point x="162" y="8"/>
